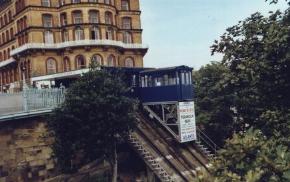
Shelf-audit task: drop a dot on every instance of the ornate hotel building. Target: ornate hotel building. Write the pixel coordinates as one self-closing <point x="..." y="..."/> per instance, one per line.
<point x="45" y="40"/>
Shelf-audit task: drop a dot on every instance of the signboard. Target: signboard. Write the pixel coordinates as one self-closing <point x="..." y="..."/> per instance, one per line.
<point x="186" y="118"/>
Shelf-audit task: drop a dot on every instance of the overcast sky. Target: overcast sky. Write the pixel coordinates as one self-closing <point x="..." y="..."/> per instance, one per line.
<point x="180" y="32"/>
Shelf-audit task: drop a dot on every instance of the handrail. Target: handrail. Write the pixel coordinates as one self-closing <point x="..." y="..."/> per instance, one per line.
<point x="205" y="139"/>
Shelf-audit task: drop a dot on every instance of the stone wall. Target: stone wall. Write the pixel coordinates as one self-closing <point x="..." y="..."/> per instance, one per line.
<point x="25" y="152"/>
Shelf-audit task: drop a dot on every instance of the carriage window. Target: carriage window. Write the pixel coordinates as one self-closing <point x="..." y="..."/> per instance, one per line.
<point x="171" y="80"/>
<point x="134" y="81"/>
<point x="146" y="81"/>
<point x="142" y="81"/>
<point x="182" y="78"/>
<point x="166" y="81"/>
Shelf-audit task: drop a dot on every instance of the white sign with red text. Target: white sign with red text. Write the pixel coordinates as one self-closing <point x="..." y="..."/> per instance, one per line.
<point x="187" y="124"/>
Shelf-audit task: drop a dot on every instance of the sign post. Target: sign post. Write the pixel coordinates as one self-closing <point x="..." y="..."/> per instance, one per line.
<point x="186" y="120"/>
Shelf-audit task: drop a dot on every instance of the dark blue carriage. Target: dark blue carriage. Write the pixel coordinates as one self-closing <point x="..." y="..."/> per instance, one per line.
<point x="166" y="84"/>
<point x="159" y="85"/>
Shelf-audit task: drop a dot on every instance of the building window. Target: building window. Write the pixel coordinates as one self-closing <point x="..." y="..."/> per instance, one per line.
<point x="126" y="23"/>
<point x="127" y="37"/>
<point x="45" y="3"/>
<point x="63" y="19"/>
<point x="80" y="62"/>
<point x="51" y="66"/>
<point x="125" y="5"/>
<point x="93" y="16"/>
<point x="95" y="33"/>
<point x="10" y="16"/>
<point x="109" y="34"/>
<point x="76" y="1"/>
<point x="129" y="62"/>
<point x="108" y="18"/>
<point x="48" y="37"/>
<point x="77" y="17"/>
<point x="61" y="2"/>
<point x="11" y="33"/>
<point x="107" y="1"/>
<point x="93" y="1"/>
<point x="66" y="64"/>
<point x="111" y="61"/>
<point x="79" y="34"/>
<point x="47" y="20"/>
<point x="97" y="59"/>
<point x="65" y="36"/>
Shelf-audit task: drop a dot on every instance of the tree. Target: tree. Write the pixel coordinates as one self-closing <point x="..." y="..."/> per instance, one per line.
<point x="256" y="52"/>
<point x="94" y="119"/>
<point x="252" y="157"/>
<point x="214" y="102"/>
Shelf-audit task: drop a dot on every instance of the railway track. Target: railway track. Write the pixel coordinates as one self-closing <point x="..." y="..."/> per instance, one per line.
<point x="178" y="162"/>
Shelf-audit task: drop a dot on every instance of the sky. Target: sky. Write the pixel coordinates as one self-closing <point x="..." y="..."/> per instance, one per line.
<point x="180" y="32"/>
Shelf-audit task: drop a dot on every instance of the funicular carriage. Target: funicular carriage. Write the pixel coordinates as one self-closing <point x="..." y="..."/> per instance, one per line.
<point x="167" y="95"/>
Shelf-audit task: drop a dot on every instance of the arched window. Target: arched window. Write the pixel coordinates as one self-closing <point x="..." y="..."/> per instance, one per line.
<point x="77" y="17"/>
<point x="24" y="22"/>
<point x="1" y="21"/>
<point x="63" y="19"/>
<point x="129" y="62"/>
<point x="127" y="37"/>
<point x="126" y="23"/>
<point x="61" y="2"/>
<point x="51" y="66"/>
<point x="5" y="56"/>
<point x="45" y="3"/>
<point x="3" y="38"/>
<point x="9" y="16"/>
<point x="8" y="52"/>
<point x="48" y="37"/>
<point x="97" y="59"/>
<point x="95" y="33"/>
<point x="109" y="33"/>
<point x="11" y="33"/>
<point x="1" y="57"/>
<point x="108" y="18"/>
<point x="93" y="16"/>
<point x="47" y="20"/>
<point x="5" y="19"/>
<point x="7" y="36"/>
<point x="66" y="64"/>
<point x="111" y="61"/>
<point x="125" y="5"/>
<point x="79" y="34"/>
<point x="80" y="62"/>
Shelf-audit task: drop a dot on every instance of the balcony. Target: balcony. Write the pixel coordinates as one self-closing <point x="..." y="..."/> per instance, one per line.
<point x="76" y="43"/>
<point x="6" y="62"/>
<point x="29" y="102"/>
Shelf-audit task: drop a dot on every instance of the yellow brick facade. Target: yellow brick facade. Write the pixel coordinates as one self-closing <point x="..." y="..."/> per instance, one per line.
<point x="108" y="28"/>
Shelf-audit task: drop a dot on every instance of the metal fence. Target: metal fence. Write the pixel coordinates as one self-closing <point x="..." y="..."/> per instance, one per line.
<point x="30" y="100"/>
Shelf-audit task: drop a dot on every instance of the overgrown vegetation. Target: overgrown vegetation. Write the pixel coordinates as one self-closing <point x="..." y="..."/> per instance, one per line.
<point x="94" y="119"/>
<point x="246" y="98"/>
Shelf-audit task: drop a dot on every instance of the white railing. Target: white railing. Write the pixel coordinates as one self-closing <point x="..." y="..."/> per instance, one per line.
<point x="30" y="100"/>
<point x="76" y="43"/>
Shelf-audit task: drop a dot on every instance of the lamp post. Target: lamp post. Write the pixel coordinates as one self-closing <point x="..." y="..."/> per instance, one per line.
<point x="24" y="87"/>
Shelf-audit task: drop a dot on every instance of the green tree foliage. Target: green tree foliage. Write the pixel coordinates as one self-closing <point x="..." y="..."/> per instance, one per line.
<point x="214" y="102"/>
<point x="257" y="54"/>
<point x="252" y="86"/>
<point x="253" y="158"/>
<point x="95" y="117"/>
